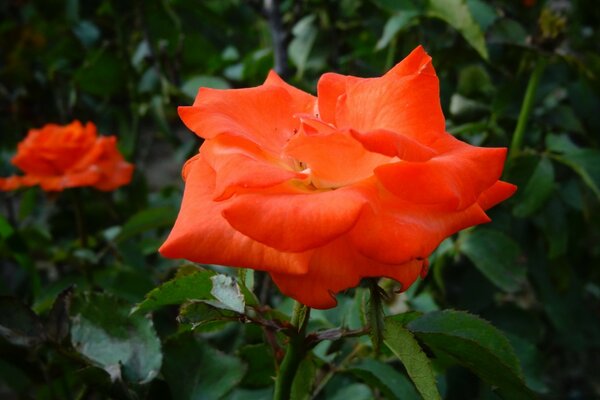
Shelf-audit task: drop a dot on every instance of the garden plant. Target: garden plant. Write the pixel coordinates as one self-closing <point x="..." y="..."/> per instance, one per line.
<point x="310" y="199"/>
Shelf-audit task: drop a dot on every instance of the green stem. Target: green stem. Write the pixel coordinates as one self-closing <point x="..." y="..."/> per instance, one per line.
<point x="375" y="315"/>
<point x="79" y="219"/>
<point x="327" y="377"/>
<point x="294" y="353"/>
<point x="526" y="107"/>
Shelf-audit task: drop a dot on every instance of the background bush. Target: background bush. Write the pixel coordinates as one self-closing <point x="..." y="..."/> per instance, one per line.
<point x="74" y="263"/>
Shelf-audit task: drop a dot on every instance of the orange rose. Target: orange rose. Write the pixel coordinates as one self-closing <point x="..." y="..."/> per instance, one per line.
<point x="60" y="157"/>
<point x="362" y="181"/>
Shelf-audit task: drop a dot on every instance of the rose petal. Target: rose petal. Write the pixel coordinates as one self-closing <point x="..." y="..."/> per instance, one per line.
<point x="334" y="157"/>
<point x="262" y="114"/>
<point x="78" y="179"/>
<point x="10" y="183"/>
<point x="337" y="267"/>
<point x="405" y="100"/>
<point x="499" y="192"/>
<point x="330" y="87"/>
<point x="417" y="62"/>
<point x="455" y="178"/>
<point x="295" y="221"/>
<point x="53" y="149"/>
<point x="301" y="101"/>
<point x="202" y="235"/>
<point x="396" y="232"/>
<point x="240" y="164"/>
<point x="392" y="144"/>
<point x="114" y="170"/>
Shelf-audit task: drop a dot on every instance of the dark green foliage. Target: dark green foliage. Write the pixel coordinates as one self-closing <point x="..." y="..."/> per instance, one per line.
<point x="88" y="309"/>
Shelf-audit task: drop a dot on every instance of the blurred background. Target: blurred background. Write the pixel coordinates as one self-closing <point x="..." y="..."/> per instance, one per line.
<point x="534" y="272"/>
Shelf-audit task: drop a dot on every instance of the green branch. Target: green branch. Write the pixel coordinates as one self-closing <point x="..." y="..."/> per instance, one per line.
<point x="526" y="107"/>
<point x="294" y="353"/>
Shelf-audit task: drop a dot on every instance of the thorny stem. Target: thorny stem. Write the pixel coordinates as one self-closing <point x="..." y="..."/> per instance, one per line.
<point x="526" y="107"/>
<point x="375" y="315"/>
<point x="294" y="353"/>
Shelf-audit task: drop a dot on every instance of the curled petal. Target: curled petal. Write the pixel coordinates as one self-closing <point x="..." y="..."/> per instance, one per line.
<point x="262" y="114"/>
<point x="240" y="164"/>
<point x="202" y="235"/>
<point x="417" y="62"/>
<point x="455" y="178"/>
<point x="392" y="144"/>
<point x="395" y="232"/>
<point x="335" y="158"/>
<point x="499" y="192"/>
<point x="295" y="221"/>
<point x="330" y="88"/>
<point x="302" y="102"/>
<point x="337" y="267"/>
<point x="114" y="170"/>
<point x="405" y="100"/>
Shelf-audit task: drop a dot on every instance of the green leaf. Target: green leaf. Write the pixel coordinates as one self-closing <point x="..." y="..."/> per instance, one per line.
<point x="354" y="391"/>
<point x="195" y="370"/>
<point x="560" y="143"/>
<point x="392" y="383"/>
<point x="495" y="255"/>
<point x="146" y="220"/>
<point x="402" y="343"/>
<point x="226" y="290"/>
<point x="18" y="324"/>
<point x="6" y="230"/>
<point x="531" y="361"/>
<point x="474" y="80"/>
<point x="475" y="344"/>
<point x="87" y="33"/>
<point x="483" y="13"/>
<point x="201" y="314"/>
<point x="509" y="31"/>
<point x="250" y="394"/>
<point x="537" y="191"/>
<point x="190" y="87"/>
<point x="261" y="365"/>
<point x="395" y="24"/>
<point x="103" y="331"/>
<point x="458" y="15"/>
<point x="461" y="106"/>
<point x="586" y="163"/>
<point x="305" y="34"/>
<point x="553" y="222"/>
<point x="394" y="6"/>
<point x="196" y="286"/>
<point x="102" y="75"/>
<point x="57" y="325"/>
<point x="14" y="378"/>
<point x="304" y="379"/>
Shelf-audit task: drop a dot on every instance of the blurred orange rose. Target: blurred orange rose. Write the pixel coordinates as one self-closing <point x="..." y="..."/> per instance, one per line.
<point x="59" y="157"/>
<point x="362" y="181"/>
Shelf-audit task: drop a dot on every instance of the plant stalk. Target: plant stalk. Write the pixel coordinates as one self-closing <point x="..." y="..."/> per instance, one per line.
<point x="526" y="107"/>
<point x="294" y="353"/>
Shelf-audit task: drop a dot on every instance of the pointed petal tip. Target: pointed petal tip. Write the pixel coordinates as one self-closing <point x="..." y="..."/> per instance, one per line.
<point x="417" y="61"/>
